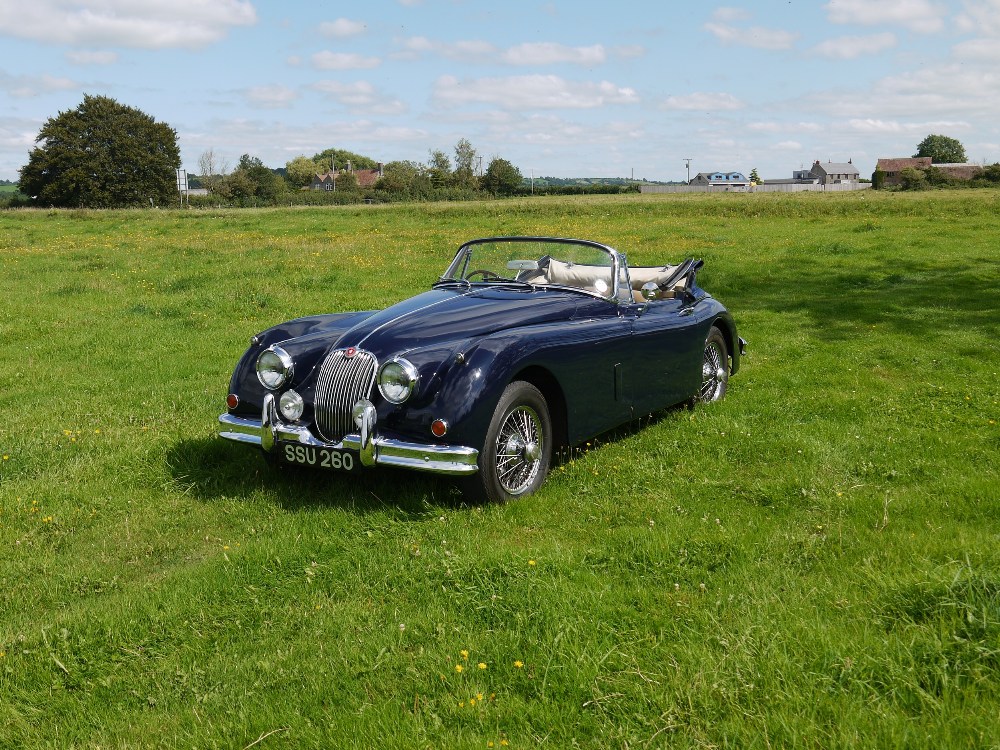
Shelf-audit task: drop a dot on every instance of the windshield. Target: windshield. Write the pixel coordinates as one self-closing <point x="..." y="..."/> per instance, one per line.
<point x="586" y="266"/>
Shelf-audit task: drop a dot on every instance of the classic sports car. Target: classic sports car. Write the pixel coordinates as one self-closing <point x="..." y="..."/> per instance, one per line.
<point x="522" y="346"/>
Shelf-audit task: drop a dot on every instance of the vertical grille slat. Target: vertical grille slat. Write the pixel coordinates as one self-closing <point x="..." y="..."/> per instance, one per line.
<point x="342" y="382"/>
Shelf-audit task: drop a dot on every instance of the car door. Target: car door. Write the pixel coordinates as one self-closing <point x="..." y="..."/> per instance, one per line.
<point x="665" y="352"/>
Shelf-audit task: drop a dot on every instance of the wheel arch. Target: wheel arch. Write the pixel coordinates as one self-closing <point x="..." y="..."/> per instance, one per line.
<point x="728" y="328"/>
<point x="550" y="389"/>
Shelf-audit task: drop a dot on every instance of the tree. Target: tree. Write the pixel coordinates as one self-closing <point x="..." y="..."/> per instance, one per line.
<point x="337" y="158"/>
<point x="502" y="177"/>
<point x="301" y="171"/>
<point x="102" y="155"/>
<point x="212" y="169"/>
<point x="404" y="177"/>
<point x="754" y="177"/>
<point x="465" y="163"/>
<point x="251" y="180"/>
<point x="913" y="179"/>
<point x="878" y="179"/>
<point x="439" y="168"/>
<point x="941" y="149"/>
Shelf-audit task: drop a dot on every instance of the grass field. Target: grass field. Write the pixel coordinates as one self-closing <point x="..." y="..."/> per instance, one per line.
<point x="814" y="562"/>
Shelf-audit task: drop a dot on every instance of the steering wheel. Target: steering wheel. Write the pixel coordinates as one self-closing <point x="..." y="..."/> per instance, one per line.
<point x="487" y="275"/>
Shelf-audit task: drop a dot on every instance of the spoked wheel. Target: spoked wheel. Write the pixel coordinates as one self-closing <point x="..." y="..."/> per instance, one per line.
<point x="518" y="448"/>
<point x="714" y="368"/>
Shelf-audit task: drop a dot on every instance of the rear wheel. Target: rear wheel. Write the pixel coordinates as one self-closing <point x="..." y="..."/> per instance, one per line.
<point x="714" y="368"/>
<point x="517" y="452"/>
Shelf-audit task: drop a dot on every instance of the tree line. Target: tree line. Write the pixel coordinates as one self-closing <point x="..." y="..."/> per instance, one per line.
<point x="103" y="154"/>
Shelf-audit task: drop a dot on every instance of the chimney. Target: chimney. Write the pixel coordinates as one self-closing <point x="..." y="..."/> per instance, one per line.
<point x="381" y="168"/>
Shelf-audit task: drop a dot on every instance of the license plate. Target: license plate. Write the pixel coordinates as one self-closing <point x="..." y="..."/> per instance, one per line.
<point x="321" y="458"/>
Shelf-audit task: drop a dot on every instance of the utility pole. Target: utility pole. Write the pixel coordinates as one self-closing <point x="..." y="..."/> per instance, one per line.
<point x="689" y="170"/>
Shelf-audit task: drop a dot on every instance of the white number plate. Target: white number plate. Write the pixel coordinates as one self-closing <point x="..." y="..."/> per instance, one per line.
<point x="323" y="458"/>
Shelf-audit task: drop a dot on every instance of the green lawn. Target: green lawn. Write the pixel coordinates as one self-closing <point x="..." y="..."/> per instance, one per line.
<point x="814" y="562"/>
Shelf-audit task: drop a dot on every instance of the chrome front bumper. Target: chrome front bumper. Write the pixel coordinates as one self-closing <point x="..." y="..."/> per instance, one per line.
<point x="268" y="431"/>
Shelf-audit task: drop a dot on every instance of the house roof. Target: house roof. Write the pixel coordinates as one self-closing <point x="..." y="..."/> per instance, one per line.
<point x="899" y="164"/>
<point x="836" y="167"/>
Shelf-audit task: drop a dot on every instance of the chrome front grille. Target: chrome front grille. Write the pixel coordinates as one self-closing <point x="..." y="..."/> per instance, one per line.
<point x="343" y="380"/>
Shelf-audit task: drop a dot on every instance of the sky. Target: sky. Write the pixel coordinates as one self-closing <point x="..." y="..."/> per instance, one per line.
<point x="562" y="88"/>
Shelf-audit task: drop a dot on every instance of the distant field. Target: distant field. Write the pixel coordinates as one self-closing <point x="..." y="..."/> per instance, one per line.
<point x="814" y="562"/>
<point x="8" y="188"/>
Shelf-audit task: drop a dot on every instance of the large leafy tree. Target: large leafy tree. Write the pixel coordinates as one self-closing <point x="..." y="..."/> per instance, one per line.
<point x="502" y="177"/>
<point x="337" y="158"/>
<point x="102" y="155"/>
<point x="941" y="149"/>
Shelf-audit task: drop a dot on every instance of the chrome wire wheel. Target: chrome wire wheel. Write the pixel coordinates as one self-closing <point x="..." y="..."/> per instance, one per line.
<point x="517" y="447"/>
<point x="520" y="445"/>
<point x="714" y="368"/>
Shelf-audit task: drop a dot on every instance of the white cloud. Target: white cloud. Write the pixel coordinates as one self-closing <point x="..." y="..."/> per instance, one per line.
<point x="921" y="16"/>
<point x="784" y="127"/>
<point x="788" y="146"/>
<point x="531" y="92"/>
<point x="327" y="60"/>
<point x="529" y="53"/>
<point x="980" y="17"/>
<point x="985" y="50"/>
<point x="548" y="53"/>
<point x="28" y="87"/>
<point x="754" y="36"/>
<point x="271" y="97"/>
<point x="703" y="101"/>
<point x="850" y="47"/>
<point x="342" y="28"/>
<point x="145" y="24"/>
<point x="892" y="126"/>
<point x="627" y="51"/>
<point x="360" y="97"/>
<point x="92" y="57"/>
<point x="730" y="15"/>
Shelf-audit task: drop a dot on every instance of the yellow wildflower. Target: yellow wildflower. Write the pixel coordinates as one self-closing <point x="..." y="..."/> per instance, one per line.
<point x="481" y="665"/>
<point x="518" y="664"/>
<point x="458" y="668"/>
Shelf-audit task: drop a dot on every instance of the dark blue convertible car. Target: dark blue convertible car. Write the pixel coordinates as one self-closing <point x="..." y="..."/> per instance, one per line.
<point x="524" y="345"/>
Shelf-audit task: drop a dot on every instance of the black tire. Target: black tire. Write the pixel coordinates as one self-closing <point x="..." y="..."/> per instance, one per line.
<point x="714" y="368"/>
<point x="517" y="452"/>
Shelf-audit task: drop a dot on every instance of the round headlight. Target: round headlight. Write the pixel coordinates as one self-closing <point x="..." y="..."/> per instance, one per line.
<point x="396" y="380"/>
<point x="274" y="367"/>
<point x="291" y="405"/>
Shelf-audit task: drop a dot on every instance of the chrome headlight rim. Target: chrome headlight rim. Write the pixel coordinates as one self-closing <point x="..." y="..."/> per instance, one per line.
<point x="291" y="405"/>
<point x="278" y="373"/>
<point x="408" y="382"/>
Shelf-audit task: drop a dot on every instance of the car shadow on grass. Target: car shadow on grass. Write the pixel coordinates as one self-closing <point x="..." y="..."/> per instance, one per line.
<point x="212" y="468"/>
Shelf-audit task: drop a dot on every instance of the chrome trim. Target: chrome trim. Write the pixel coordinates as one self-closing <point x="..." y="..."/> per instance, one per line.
<point x="743" y="346"/>
<point x="364" y="416"/>
<point x="341" y="383"/>
<point x="455" y="460"/>
<point x="411" y="373"/>
<point x="287" y="365"/>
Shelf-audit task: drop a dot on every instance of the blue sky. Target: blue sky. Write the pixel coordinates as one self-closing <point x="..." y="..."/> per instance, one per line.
<point x="560" y="87"/>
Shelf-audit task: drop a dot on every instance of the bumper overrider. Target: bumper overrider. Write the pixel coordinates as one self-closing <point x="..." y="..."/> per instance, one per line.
<point x="270" y="433"/>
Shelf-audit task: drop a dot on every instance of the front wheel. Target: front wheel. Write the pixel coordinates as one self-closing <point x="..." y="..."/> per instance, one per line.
<point x="714" y="368"/>
<point x="518" y="448"/>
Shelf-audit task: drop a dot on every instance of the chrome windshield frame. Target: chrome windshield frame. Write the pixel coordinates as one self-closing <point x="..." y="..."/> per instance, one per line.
<point x="461" y="260"/>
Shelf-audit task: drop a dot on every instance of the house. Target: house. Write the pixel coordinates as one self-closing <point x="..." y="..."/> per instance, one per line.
<point x="365" y="178"/>
<point x="833" y="173"/>
<point x="721" y="180"/>
<point x="893" y="167"/>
